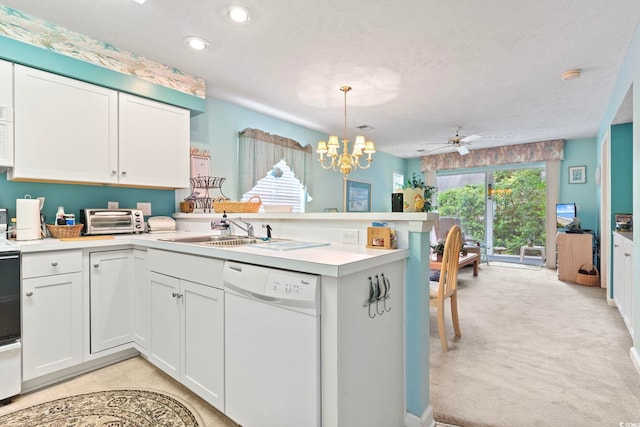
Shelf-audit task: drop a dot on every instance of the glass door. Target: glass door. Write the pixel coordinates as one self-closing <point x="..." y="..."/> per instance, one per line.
<point x="502" y="210"/>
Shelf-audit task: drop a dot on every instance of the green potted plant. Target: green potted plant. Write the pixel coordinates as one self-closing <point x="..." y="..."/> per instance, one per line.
<point x="417" y="195"/>
<point x="438" y="250"/>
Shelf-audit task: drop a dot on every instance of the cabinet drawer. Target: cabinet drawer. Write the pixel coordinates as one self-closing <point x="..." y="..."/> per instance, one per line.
<point x="50" y="263"/>
<point x="207" y="271"/>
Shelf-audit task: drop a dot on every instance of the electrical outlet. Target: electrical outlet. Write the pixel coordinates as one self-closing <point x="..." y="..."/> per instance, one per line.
<point x="145" y="208"/>
<point x="349" y="236"/>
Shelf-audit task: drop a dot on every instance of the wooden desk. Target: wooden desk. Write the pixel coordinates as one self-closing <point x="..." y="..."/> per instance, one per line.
<point x="468" y="259"/>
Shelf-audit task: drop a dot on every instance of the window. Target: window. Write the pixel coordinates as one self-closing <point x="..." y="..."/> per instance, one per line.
<point x="280" y="187"/>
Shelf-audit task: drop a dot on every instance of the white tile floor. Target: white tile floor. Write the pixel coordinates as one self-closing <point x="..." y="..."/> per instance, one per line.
<point x="132" y="373"/>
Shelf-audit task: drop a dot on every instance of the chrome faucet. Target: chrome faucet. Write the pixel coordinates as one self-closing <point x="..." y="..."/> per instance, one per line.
<point x="248" y="228"/>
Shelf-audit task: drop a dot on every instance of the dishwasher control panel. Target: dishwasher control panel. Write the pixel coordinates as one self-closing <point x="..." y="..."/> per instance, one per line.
<point x="291" y="286"/>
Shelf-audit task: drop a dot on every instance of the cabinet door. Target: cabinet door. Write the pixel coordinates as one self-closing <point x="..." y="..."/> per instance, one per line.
<point x="112" y="298"/>
<point x="627" y="283"/>
<point x="618" y="271"/>
<point x="51" y="324"/>
<point x="202" y="342"/>
<point x="154" y="143"/>
<point x="64" y="129"/>
<point x="142" y="289"/>
<point x="165" y="323"/>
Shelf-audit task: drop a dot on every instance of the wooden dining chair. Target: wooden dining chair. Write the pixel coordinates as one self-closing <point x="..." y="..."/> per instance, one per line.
<point x="447" y="285"/>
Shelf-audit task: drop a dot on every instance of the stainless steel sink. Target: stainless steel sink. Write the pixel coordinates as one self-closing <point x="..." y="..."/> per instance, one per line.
<point x="218" y="240"/>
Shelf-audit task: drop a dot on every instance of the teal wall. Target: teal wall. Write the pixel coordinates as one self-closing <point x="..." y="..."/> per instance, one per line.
<point x="76" y="197"/>
<point x="217" y="131"/>
<point x="581" y="152"/>
<point x="621" y="170"/>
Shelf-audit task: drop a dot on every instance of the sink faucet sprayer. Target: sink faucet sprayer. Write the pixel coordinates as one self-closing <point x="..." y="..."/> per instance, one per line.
<point x="248" y="228"/>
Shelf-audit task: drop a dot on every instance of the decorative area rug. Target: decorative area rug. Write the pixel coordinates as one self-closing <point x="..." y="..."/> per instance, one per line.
<point x="112" y="408"/>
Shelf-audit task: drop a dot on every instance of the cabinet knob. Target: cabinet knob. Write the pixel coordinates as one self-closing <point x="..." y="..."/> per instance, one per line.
<point x="114" y="172"/>
<point x="29" y="293"/>
<point x="179" y="295"/>
<point x="96" y="265"/>
<point x="627" y="254"/>
<point x="174" y="294"/>
<point x="54" y="264"/>
<point x="124" y="172"/>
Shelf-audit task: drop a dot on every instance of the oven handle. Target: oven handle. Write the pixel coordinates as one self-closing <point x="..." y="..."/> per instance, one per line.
<point x="9" y="257"/>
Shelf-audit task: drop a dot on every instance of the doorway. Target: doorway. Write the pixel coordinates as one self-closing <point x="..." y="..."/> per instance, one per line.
<point x="504" y="209"/>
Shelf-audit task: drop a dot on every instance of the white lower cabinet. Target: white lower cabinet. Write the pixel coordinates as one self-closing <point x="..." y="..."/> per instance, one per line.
<point x="112" y="298"/>
<point x="52" y="332"/>
<point x="187" y="321"/>
<point x="623" y="278"/>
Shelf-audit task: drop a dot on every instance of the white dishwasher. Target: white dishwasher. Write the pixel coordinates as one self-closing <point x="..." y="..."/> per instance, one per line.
<point x="272" y="346"/>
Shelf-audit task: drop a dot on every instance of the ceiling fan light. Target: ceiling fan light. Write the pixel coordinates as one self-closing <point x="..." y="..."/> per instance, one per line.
<point x="462" y="150"/>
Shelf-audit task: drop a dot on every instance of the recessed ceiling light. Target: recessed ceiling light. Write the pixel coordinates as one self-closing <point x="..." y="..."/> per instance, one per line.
<point x="140" y="1"/>
<point x="238" y="14"/>
<point x="571" y="74"/>
<point x="196" y="43"/>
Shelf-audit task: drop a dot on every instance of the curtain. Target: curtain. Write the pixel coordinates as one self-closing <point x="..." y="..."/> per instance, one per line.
<point x="552" y="171"/>
<point x="259" y="151"/>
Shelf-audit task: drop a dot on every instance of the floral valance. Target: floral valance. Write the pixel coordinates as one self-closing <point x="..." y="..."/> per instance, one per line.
<point x="507" y="154"/>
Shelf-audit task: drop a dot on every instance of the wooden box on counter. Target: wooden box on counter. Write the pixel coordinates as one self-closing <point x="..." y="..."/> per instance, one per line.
<point x="379" y="237"/>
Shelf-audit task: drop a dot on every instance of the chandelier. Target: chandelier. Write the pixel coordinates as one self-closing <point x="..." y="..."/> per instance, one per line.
<point x="345" y="162"/>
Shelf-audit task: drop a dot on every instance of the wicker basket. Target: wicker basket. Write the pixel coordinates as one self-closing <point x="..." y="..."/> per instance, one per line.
<point x="251" y="206"/>
<point x="60" y="231"/>
<point x="187" y="206"/>
<point x="588" y="275"/>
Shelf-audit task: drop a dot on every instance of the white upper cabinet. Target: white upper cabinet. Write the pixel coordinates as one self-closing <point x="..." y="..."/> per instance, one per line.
<point x="6" y="114"/>
<point x="65" y="130"/>
<point x="154" y="143"/>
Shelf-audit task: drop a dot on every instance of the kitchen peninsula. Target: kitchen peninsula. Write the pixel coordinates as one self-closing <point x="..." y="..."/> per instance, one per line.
<point x="354" y="391"/>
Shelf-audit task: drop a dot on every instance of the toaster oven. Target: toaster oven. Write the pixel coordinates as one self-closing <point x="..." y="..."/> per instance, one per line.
<point x="111" y="221"/>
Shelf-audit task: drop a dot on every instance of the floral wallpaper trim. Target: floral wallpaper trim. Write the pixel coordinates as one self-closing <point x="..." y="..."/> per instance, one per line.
<point x="507" y="154"/>
<point x="24" y="28"/>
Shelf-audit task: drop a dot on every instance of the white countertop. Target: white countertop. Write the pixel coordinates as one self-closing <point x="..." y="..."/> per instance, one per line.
<point x="334" y="259"/>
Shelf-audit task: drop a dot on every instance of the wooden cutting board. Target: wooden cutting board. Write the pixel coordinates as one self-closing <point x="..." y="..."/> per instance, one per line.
<point x="73" y="239"/>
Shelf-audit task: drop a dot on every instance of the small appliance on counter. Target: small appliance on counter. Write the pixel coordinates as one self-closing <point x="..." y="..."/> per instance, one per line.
<point x="161" y="224"/>
<point x="112" y="221"/>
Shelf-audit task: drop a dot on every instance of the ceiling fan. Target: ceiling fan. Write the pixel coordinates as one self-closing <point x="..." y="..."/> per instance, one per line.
<point x="458" y="142"/>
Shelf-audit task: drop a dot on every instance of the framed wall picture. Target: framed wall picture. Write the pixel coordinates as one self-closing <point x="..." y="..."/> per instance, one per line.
<point x="577" y="174"/>
<point x="357" y="196"/>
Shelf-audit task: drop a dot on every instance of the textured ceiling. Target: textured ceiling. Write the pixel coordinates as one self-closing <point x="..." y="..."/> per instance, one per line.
<point x="418" y="68"/>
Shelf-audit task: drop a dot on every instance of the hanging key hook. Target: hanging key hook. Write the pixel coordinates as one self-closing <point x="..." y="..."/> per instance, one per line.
<point x="387" y="292"/>
<point x="378" y="296"/>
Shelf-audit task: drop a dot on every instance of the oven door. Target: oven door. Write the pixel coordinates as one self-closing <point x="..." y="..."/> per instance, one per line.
<point x="9" y="297"/>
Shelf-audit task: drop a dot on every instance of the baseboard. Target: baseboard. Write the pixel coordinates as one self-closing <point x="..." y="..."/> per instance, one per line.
<point x="635" y="358"/>
<point x="426" y="420"/>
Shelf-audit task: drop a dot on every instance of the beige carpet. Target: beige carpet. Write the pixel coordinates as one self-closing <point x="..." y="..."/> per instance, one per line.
<point x="534" y="351"/>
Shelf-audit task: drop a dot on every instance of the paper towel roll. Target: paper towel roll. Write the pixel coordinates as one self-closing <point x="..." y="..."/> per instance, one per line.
<point x="28" y="219"/>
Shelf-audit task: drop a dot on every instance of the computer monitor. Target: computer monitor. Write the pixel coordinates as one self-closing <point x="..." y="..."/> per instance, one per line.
<point x="565" y="212"/>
